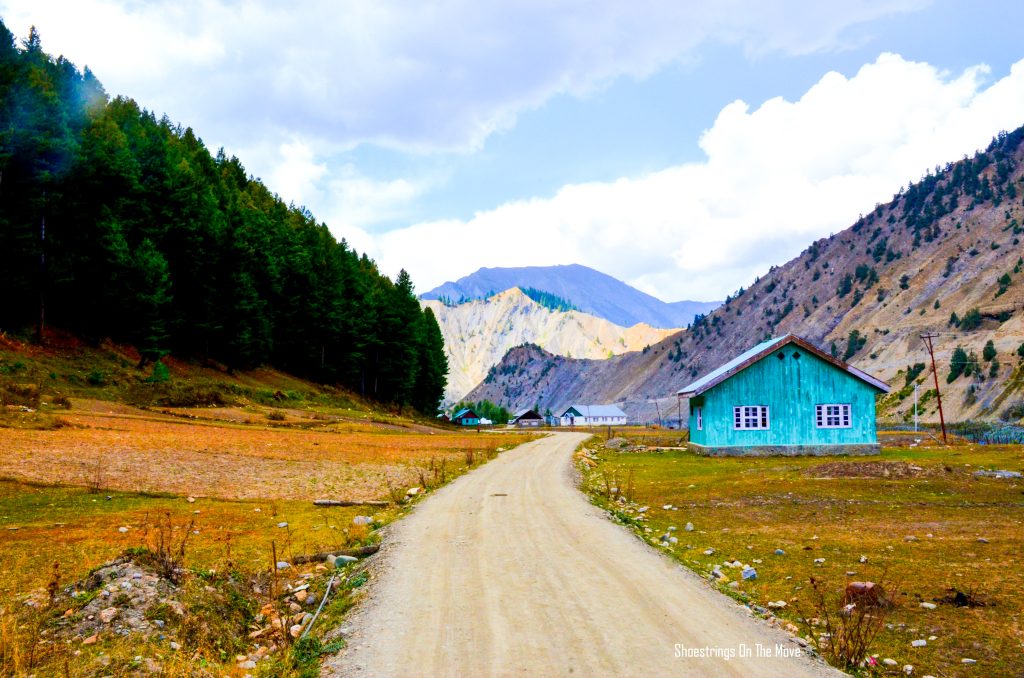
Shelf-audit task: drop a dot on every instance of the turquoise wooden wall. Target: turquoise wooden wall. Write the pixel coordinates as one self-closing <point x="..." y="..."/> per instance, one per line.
<point x="790" y="388"/>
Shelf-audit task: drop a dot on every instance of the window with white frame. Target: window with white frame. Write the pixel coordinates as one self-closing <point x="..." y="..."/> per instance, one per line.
<point x="750" y="417"/>
<point x="699" y="413"/>
<point x="832" y="415"/>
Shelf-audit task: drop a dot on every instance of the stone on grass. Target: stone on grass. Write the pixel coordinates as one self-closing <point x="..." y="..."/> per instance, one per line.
<point x="342" y="561"/>
<point x="890" y="662"/>
<point x="921" y="642"/>
<point x="107" y="615"/>
<point x="122" y="530"/>
<point x="247" y="665"/>
<point x="968" y="661"/>
<point x="749" y="573"/>
<point x="780" y="552"/>
<point x="928" y="606"/>
<point x="282" y="565"/>
<point x="776" y="605"/>
<point x="282" y="524"/>
<point x="689" y="527"/>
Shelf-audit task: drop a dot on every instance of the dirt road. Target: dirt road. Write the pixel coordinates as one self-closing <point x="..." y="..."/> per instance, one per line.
<point x="511" y="571"/>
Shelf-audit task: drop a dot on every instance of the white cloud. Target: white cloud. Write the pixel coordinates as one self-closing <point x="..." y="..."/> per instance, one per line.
<point x="427" y="76"/>
<point x="775" y="178"/>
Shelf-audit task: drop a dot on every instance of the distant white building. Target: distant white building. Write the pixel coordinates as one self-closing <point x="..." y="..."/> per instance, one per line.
<point x="593" y="415"/>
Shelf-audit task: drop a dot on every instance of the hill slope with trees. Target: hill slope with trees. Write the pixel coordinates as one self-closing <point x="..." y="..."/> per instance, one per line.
<point x="943" y="257"/>
<point x="114" y="223"/>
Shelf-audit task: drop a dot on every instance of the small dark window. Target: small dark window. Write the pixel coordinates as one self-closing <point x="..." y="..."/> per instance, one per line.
<point x="780" y="356"/>
<point x="796" y="355"/>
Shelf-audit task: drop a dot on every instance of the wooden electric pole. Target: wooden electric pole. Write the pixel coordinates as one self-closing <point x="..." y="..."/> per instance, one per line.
<point x="927" y="338"/>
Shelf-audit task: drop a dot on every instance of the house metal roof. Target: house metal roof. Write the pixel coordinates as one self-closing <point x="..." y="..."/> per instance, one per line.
<point x="596" y="410"/>
<point x="463" y="411"/>
<point x="522" y="413"/>
<point x="748" y="358"/>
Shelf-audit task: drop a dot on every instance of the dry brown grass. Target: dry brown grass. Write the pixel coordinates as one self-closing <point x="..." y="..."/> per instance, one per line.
<point x="135" y="451"/>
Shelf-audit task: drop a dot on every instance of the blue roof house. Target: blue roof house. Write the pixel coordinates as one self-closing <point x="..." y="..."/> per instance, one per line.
<point x="784" y="396"/>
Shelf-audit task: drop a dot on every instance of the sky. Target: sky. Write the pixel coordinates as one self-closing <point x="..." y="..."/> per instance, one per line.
<point x="681" y="146"/>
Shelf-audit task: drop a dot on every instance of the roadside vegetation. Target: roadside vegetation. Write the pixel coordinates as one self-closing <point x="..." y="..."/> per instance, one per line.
<point x="143" y="523"/>
<point x="943" y="539"/>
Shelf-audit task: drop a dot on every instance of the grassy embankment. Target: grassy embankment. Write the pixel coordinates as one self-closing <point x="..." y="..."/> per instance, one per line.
<point x="925" y="524"/>
<point x="98" y="463"/>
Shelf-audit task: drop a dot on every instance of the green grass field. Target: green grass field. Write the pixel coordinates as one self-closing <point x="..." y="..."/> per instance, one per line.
<point x="918" y="515"/>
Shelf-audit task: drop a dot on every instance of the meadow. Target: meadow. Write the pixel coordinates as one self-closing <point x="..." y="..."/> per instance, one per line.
<point x="916" y="519"/>
<point x="221" y="494"/>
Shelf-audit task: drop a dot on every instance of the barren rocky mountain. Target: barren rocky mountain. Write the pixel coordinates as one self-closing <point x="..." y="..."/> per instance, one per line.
<point x="943" y="257"/>
<point x="478" y="333"/>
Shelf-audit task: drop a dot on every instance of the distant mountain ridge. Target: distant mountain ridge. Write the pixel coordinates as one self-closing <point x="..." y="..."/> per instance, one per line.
<point x="591" y="291"/>
<point x="478" y="333"/>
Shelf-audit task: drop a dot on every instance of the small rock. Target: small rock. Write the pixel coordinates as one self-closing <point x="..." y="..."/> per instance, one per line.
<point x="191" y="500"/>
<point x="160" y="623"/>
<point x="412" y="492"/>
<point x="175" y="646"/>
<point x="342" y="561"/>
<point x="247" y="665"/>
<point x="91" y="640"/>
<point x="749" y="573"/>
<point x="982" y="540"/>
<point x="908" y="669"/>
<point x="890" y="662"/>
<point x="863" y="559"/>
<point x="673" y="540"/>
<point x="688" y="527"/>
<point x="282" y="565"/>
<point x="362" y="520"/>
<point x="282" y="524"/>
<point x="295" y="631"/>
<point x="910" y="537"/>
<point x="776" y="605"/>
<point x="819" y="561"/>
<point x="709" y="552"/>
<point x="734" y="584"/>
<point x="928" y="606"/>
<point x="122" y="530"/>
<point x="968" y="661"/>
<point x="107" y="615"/>
<point x="921" y="642"/>
<point x="301" y="596"/>
<point x="780" y="552"/>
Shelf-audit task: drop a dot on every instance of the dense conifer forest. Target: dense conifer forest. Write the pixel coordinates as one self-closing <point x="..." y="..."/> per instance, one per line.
<point x="117" y="224"/>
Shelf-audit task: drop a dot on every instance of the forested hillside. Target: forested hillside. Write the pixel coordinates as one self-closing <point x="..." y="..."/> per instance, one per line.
<point x="944" y="257"/>
<point x="116" y="223"/>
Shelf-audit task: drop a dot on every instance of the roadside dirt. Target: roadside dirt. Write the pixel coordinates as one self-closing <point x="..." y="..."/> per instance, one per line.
<point x="510" y="571"/>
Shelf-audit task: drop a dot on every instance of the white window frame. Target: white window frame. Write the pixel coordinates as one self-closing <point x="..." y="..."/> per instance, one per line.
<point x="833" y="415"/>
<point x="699" y="412"/>
<point x="751" y="418"/>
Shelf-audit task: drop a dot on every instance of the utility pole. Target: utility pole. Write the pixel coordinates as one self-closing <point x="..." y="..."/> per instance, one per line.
<point x="41" y="320"/>
<point x="679" y="410"/>
<point x="915" y="407"/>
<point x="660" y="422"/>
<point x="927" y="338"/>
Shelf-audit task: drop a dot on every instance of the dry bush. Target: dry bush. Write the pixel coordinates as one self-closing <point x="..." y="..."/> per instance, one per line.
<point x="23" y="395"/>
<point x="395" y="492"/>
<point x="275" y="416"/>
<point x="422" y="473"/>
<point x="95" y="474"/>
<point x="842" y="631"/>
<point x="470" y="457"/>
<point x="165" y="551"/>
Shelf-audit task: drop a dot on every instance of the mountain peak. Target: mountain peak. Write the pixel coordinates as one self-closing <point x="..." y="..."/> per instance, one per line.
<point x="589" y="290"/>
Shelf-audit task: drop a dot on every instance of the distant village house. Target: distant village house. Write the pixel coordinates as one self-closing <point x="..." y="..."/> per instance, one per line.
<point x="784" y="396"/>
<point x="593" y="415"/>
<point x="526" y="419"/>
<point x="466" y="417"/>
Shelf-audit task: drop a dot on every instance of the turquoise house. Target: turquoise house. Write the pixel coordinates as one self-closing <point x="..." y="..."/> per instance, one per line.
<point x="784" y="396"/>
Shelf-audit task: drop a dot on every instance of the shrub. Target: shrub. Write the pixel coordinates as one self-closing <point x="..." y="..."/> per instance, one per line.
<point x="96" y="378"/>
<point x="989" y="352"/>
<point x="971" y="320"/>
